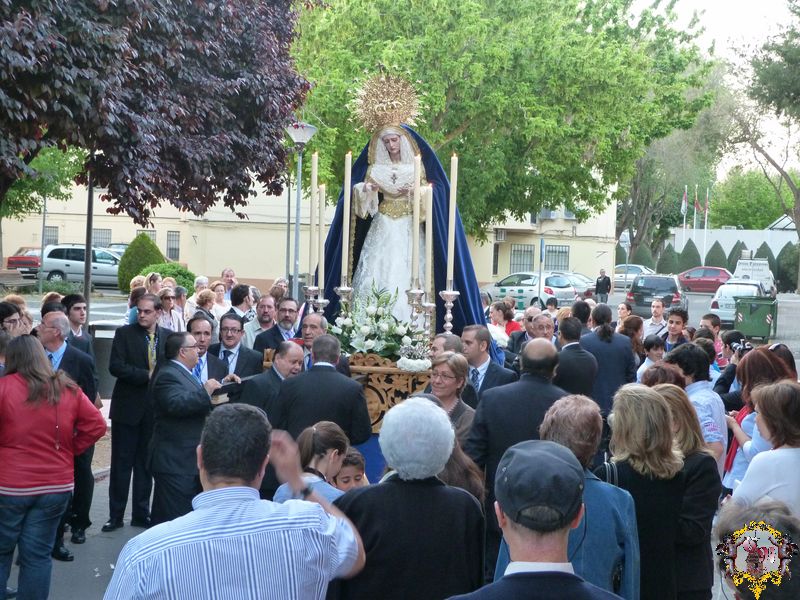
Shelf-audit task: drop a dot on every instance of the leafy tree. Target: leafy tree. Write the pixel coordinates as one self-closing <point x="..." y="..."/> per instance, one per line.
<point x="121" y="79"/>
<point x="735" y="254"/>
<point x="745" y="199"/>
<point x="652" y="199"/>
<point x="546" y="102"/>
<point x="142" y="251"/>
<point x="787" y="263"/>
<point x="52" y="173"/>
<point x="764" y="251"/>
<point x="689" y="257"/>
<point x="668" y="261"/>
<point x="183" y="276"/>
<point x="716" y="256"/>
<point x="643" y="256"/>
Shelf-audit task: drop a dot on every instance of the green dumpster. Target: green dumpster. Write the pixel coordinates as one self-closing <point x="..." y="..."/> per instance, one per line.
<point x="756" y="317"/>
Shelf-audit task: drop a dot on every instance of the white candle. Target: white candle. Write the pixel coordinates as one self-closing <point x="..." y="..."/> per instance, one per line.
<point x="321" y="243"/>
<point x="429" y="245"/>
<point x="415" y="224"/>
<point x="312" y="215"/>
<point x="451" y="223"/>
<point x="348" y="163"/>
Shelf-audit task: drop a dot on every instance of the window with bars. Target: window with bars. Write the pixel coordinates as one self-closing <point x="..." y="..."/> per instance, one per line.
<point x="174" y="245"/>
<point x="101" y="238"/>
<point x="556" y="258"/>
<point x="495" y="258"/>
<point x="522" y="256"/>
<point x="151" y="233"/>
<point x="50" y="235"/>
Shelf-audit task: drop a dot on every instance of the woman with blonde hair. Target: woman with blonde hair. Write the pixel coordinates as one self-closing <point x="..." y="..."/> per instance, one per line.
<point x="205" y="308"/>
<point x="322" y="450"/>
<point x="695" y="562"/>
<point x="448" y="378"/>
<point x="221" y="306"/>
<point x="646" y="464"/>
<point x="169" y="319"/>
<point x="153" y="281"/>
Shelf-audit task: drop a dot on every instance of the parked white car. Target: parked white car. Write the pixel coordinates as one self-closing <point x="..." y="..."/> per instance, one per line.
<point x="524" y="287"/>
<point x="723" y="304"/>
<point x="625" y="274"/>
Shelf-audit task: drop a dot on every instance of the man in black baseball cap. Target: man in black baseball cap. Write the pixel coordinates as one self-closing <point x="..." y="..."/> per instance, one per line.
<point x="539" y="490"/>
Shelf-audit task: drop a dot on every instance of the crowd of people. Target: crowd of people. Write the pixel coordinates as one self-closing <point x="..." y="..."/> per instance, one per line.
<point x="592" y="463"/>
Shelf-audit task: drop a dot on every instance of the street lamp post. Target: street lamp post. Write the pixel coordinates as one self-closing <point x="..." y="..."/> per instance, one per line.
<point x="300" y="133"/>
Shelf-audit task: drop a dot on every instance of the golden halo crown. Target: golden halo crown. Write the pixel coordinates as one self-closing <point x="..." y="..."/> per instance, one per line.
<point x="385" y="99"/>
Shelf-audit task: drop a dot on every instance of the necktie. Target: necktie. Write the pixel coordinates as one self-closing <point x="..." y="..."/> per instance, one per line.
<point x="226" y="355"/>
<point x="308" y="362"/>
<point x="198" y="370"/>
<point x="151" y="351"/>
<point x="474" y="378"/>
<point x="52" y="362"/>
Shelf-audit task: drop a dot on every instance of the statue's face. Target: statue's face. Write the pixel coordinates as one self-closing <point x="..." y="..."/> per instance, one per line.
<point x="391" y="142"/>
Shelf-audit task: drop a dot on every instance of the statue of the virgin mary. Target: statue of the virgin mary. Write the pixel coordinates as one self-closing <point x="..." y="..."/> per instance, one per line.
<point x="381" y="210"/>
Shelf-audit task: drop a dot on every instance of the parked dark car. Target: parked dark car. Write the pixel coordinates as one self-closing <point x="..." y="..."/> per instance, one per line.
<point x="646" y="288"/>
<point x="704" y="279"/>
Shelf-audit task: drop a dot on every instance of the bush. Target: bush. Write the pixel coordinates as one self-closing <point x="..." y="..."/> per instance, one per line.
<point x="62" y="287"/>
<point x="141" y="252"/>
<point x="716" y="257"/>
<point x="668" y="261"/>
<point x="764" y="251"/>
<point x="787" y="267"/>
<point x="620" y="255"/>
<point x="643" y="256"/>
<point x="689" y="257"/>
<point x="182" y="275"/>
<point x="735" y="254"/>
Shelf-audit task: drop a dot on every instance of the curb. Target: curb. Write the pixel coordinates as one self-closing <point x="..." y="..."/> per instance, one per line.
<point x="101" y="474"/>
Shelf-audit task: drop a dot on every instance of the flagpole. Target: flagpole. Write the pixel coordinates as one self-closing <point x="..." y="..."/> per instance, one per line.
<point x="694" y="218"/>
<point x="684" y="211"/>
<point x="705" y="229"/>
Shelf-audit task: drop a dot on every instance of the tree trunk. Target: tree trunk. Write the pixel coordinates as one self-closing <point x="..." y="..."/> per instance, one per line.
<point x="2" y="259"/>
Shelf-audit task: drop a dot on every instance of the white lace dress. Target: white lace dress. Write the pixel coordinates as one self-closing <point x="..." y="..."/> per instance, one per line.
<point x="385" y="261"/>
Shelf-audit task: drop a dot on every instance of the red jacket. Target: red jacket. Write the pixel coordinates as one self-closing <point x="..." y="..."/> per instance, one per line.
<point x="38" y="443"/>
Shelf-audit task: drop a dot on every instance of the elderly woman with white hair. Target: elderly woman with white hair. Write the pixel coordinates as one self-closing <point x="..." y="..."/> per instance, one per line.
<point x="200" y="284"/>
<point x="423" y="539"/>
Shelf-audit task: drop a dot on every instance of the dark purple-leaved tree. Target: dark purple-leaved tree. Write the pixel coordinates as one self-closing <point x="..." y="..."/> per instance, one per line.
<point x="179" y="101"/>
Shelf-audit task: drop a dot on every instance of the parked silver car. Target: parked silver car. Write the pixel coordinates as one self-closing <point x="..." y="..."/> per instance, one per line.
<point x="65" y="262"/>
<point x="625" y="274"/>
<point x="524" y="287"/>
<point x="723" y="304"/>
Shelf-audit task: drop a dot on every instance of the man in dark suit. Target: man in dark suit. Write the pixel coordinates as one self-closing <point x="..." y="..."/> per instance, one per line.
<point x="315" y="325"/>
<point x="135" y="352"/>
<point x="323" y="394"/>
<point x="284" y="327"/>
<point x="577" y="368"/>
<point x="180" y="406"/>
<point x="241" y="360"/>
<point x="539" y="501"/>
<point x="583" y="312"/>
<point x="519" y="338"/>
<point x="262" y="391"/>
<point x="484" y="373"/>
<point x="53" y="332"/>
<point x="208" y="365"/>
<point x="509" y="414"/>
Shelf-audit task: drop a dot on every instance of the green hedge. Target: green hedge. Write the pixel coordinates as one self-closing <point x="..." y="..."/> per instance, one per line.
<point x="716" y="257"/>
<point x="764" y="251"/>
<point x="141" y="252"/>
<point x="787" y="267"/>
<point x="643" y="256"/>
<point x="182" y="275"/>
<point x="689" y="257"/>
<point x="668" y="261"/>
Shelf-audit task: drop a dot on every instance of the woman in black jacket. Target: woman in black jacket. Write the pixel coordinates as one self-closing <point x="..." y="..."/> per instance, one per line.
<point x="694" y="562"/>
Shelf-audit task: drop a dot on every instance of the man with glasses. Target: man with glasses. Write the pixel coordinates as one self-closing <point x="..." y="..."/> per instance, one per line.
<point x="284" y="328"/>
<point x="180" y="406"/>
<point x="240" y="360"/>
<point x="135" y="353"/>
<point x="519" y="338"/>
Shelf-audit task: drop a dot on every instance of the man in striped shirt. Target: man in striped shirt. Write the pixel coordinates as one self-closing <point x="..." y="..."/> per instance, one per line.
<point x="234" y="545"/>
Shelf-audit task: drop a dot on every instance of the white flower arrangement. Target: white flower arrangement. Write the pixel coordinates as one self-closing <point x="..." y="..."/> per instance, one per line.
<point x="370" y="327"/>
